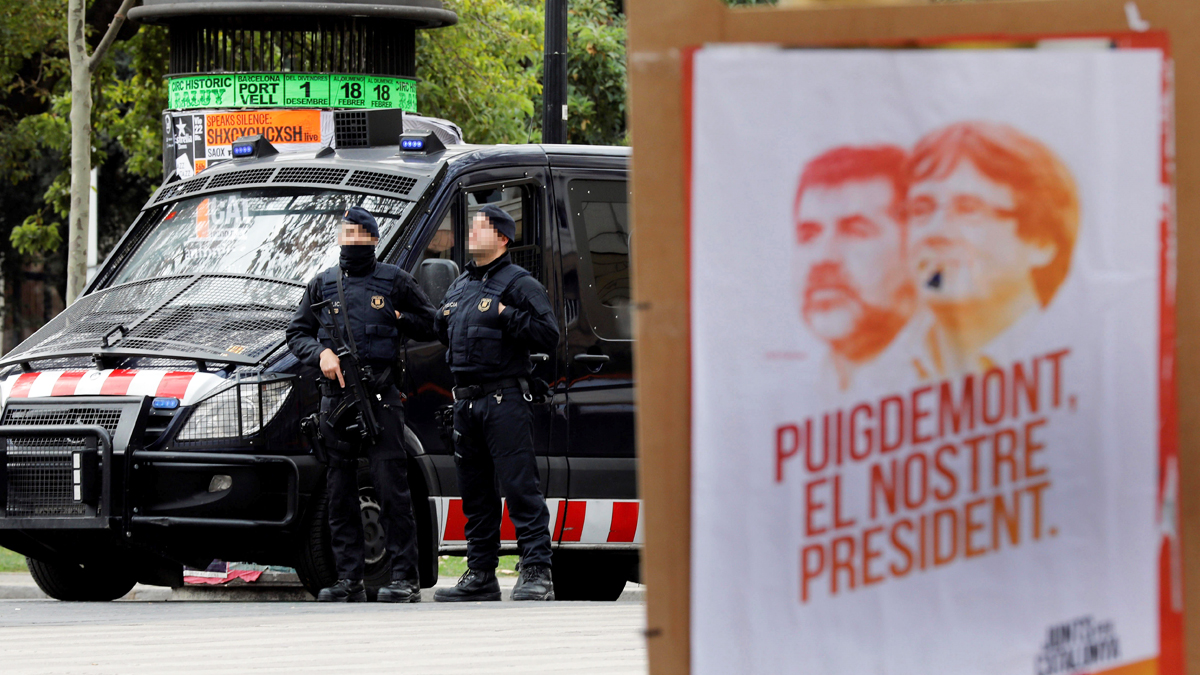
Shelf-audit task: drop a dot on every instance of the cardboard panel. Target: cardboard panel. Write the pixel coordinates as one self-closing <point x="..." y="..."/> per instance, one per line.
<point x="660" y="32"/>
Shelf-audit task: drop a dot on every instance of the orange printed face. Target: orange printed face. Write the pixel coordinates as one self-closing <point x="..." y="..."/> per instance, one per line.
<point x="850" y="258"/>
<point x="965" y="246"/>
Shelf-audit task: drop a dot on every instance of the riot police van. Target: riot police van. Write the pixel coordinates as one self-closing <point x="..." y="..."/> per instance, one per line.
<point x="155" y="423"/>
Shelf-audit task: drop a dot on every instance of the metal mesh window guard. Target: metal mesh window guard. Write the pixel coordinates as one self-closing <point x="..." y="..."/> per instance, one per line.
<point x="238" y="411"/>
<point x="217" y="316"/>
<point x="40" y="476"/>
<point x="108" y="418"/>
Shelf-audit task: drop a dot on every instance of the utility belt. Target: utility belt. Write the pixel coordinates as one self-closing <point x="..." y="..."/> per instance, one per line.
<point x="494" y="388"/>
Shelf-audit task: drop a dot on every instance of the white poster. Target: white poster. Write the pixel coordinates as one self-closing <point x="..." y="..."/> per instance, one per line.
<point x="928" y="348"/>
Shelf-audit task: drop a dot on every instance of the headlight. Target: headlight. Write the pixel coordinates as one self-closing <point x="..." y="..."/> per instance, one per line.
<point x="240" y="409"/>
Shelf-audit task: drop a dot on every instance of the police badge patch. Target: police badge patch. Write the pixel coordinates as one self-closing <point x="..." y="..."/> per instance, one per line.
<point x="377" y="302"/>
<point x="485" y="304"/>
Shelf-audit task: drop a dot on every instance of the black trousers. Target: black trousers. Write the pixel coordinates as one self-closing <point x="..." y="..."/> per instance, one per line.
<point x="494" y="444"/>
<point x="389" y="473"/>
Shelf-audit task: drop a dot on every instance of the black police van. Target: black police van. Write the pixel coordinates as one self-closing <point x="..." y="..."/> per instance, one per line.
<point x="155" y="423"/>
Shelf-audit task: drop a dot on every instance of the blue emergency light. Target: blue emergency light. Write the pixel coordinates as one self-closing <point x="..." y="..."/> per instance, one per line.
<point x="165" y="403"/>
<point x="253" y="146"/>
<point x="420" y="143"/>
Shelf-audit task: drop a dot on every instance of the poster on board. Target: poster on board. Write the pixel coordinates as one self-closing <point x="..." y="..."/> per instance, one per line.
<point x="932" y="339"/>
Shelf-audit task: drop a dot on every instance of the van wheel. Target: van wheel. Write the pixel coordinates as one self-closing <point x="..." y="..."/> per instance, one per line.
<point x="95" y="583"/>
<point x="314" y="562"/>
<point x="316" y="565"/>
<point x="589" y="575"/>
<point x="377" y="560"/>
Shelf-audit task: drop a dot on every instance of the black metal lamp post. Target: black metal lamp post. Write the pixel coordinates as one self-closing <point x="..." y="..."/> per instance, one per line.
<point x="554" y="77"/>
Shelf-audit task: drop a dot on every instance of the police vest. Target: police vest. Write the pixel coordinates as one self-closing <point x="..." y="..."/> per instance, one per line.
<point x="478" y="345"/>
<point x="368" y="311"/>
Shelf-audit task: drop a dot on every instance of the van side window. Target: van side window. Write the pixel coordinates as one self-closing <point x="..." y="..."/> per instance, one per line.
<point x="517" y="201"/>
<point x="442" y="244"/>
<point x="600" y="219"/>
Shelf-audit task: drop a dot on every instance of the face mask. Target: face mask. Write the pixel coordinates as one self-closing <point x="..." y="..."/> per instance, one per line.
<point x="357" y="260"/>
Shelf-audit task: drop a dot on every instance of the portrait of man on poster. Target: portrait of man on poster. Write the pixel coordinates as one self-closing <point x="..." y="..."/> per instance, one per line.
<point x="993" y="215"/>
<point x="854" y="290"/>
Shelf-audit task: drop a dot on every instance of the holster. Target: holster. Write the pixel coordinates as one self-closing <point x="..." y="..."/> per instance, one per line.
<point x="311" y="426"/>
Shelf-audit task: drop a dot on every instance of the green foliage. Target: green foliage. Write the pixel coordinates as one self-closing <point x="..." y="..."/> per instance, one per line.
<point x="34" y="236"/>
<point x="128" y="97"/>
<point x="483" y="73"/>
<point x="33" y="65"/>
<point x="595" y="73"/>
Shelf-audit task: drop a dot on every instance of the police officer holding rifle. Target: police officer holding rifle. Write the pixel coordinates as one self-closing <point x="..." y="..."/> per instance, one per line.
<point x="349" y="324"/>
<point x="492" y="317"/>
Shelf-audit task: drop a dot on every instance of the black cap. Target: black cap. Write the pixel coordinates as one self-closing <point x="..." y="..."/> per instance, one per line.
<point x="363" y="217"/>
<point x="501" y="221"/>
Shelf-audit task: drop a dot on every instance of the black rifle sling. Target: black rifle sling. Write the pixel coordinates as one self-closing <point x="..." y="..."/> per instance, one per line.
<point x="345" y="317"/>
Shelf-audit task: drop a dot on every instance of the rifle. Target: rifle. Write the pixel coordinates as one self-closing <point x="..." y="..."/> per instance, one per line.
<point x="356" y="376"/>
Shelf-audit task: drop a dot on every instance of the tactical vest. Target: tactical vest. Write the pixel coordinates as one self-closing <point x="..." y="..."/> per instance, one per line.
<point x="478" y="345"/>
<point x="368" y="309"/>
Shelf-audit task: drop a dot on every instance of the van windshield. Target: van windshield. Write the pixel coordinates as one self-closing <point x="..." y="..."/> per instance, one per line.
<point x="277" y="233"/>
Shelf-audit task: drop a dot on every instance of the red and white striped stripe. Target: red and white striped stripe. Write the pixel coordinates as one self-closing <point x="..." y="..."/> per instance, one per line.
<point x="574" y="521"/>
<point x="187" y="386"/>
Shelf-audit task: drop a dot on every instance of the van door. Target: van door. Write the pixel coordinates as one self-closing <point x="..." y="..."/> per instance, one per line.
<point x="602" y="469"/>
<point x="521" y="192"/>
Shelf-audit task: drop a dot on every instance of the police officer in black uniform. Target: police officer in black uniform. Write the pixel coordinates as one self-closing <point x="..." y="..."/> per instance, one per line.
<point x="381" y="304"/>
<point x="493" y="316"/>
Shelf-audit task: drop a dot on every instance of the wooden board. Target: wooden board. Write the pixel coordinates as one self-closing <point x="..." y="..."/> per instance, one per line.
<point x="659" y="32"/>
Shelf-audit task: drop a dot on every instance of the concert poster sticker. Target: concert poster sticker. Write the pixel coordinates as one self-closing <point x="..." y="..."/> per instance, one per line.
<point x="932" y="340"/>
<point x="198" y="139"/>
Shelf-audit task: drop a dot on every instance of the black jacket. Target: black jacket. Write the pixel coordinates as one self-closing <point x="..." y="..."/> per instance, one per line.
<point x="486" y="345"/>
<point x="306" y="339"/>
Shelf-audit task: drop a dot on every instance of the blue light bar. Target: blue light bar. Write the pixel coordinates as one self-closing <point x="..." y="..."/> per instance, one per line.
<point x="420" y="143"/>
<point x="253" y="146"/>
<point x="165" y="403"/>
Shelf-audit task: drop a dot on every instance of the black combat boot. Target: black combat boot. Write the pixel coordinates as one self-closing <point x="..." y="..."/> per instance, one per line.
<point x="534" y="584"/>
<point x="404" y="590"/>
<point x="473" y="585"/>
<point x="345" y="590"/>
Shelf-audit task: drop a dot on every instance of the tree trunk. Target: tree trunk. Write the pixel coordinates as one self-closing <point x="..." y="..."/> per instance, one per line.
<point x="81" y="149"/>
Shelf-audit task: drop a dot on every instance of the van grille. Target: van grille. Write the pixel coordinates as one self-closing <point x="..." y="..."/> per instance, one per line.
<point x="310" y="175"/>
<point x="48" y="415"/>
<point x="40" y="477"/>
<point x="238" y="177"/>
<point x="383" y="182"/>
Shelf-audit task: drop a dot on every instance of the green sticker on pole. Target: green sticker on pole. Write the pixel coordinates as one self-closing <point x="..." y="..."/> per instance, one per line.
<point x="348" y="91"/>
<point x="306" y="89"/>
<point x="259" y="90"/>
<point x="203" y="91"/>
<point x="284" y="90"/>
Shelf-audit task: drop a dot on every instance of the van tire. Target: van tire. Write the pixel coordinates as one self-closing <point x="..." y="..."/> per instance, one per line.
<point x="92" y="583"/>
<point x="314" y="563"/>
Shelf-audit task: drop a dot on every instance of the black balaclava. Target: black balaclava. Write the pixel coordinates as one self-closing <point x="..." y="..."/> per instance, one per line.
<point x="357" y="260"/>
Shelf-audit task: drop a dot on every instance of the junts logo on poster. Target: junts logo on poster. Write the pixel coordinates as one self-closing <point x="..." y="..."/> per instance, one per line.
<point x="928" y="266"/>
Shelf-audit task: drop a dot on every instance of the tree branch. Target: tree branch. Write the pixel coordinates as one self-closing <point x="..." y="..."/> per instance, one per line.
<point x="109" y="36"/>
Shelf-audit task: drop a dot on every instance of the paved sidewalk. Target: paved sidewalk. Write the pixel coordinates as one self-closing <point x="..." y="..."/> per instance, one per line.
<point x="48" y="638"/>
